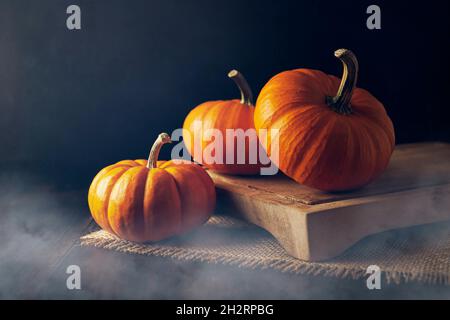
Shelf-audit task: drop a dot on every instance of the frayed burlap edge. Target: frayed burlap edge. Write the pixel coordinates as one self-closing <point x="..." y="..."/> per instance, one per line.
<point x="105" y="240"/>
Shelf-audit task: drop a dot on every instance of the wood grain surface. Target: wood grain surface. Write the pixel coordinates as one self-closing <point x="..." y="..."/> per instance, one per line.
<point x="313" y="225"/>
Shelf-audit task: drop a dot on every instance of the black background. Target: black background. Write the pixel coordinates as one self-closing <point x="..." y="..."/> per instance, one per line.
<point x="73" y="102"/>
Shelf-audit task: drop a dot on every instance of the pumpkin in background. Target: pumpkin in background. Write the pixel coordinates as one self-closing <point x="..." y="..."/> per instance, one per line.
<point x="147" y="200"/>
<point x="332" y="136"/>
<point x="222" y="115"/>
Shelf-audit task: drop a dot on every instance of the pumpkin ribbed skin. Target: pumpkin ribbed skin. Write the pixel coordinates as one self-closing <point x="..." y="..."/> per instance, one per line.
<point x="141" y="204"/>
<point x="222" y="115"/>
<point x="320" y="147"/>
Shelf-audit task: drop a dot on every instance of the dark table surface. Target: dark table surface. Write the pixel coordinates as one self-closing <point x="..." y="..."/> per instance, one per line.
<point x="39" y="235"/>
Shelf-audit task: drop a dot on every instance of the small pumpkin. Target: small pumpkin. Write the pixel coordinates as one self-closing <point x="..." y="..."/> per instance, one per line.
<point x="222" y="115"/>
<point x="332" y="136"/>
<point x="149" y="200"/>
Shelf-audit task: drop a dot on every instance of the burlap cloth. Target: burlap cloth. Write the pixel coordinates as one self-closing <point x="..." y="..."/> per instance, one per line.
<point x="413" y="254"/>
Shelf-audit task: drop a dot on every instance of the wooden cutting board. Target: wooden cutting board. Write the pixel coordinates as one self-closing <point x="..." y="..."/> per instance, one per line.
<point x="313" y="225"/>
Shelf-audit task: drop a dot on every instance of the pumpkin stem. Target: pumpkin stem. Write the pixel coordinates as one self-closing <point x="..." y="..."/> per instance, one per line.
<point x="162" y="139"/>
<point x="246" y="92"/>
<point x="341" y="102"/>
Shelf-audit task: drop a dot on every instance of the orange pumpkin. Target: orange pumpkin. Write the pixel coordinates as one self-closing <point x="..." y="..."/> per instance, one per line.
<point x="147" y="200"/>
<point x="332" y="136"/>
<point x="219" y="116"/>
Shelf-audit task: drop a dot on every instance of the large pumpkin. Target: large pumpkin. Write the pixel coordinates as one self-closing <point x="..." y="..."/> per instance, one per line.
<point x="332" y="136"/>
<point x="147" y="200"/>
<point x="220" y="116"/>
